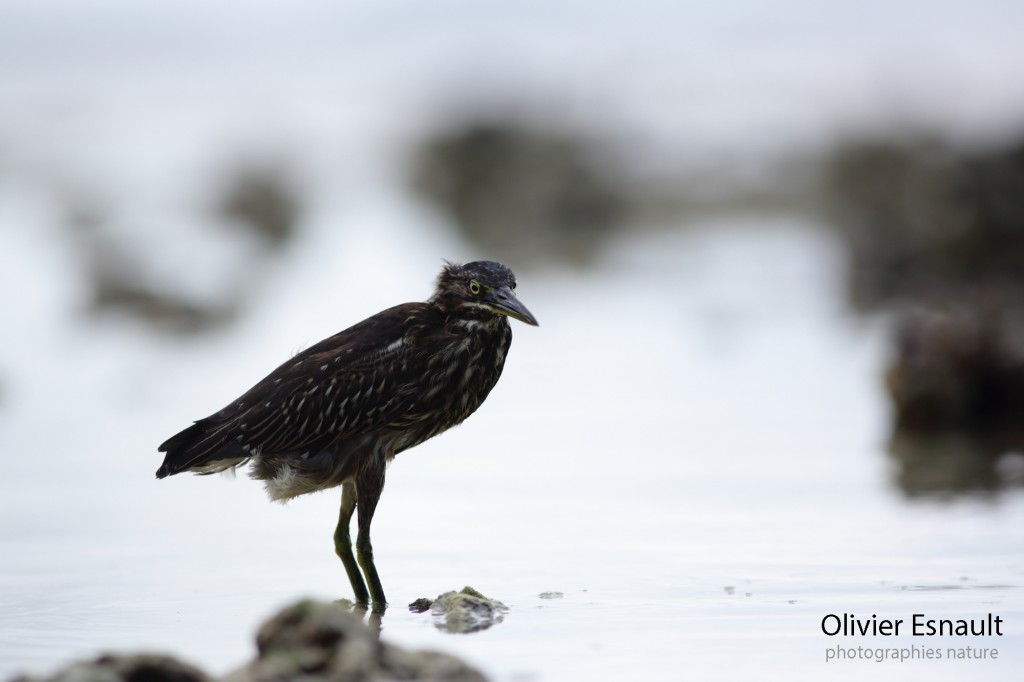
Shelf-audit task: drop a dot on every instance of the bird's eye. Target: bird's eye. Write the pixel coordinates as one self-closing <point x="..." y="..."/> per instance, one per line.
<point x="474" y="288"/>
<point x="514" y="286"/>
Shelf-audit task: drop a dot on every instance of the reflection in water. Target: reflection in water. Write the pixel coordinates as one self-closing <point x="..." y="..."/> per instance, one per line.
<point x="372" y="617"/>
<point x="453" y="612"/>
<point x="952" y="463"/>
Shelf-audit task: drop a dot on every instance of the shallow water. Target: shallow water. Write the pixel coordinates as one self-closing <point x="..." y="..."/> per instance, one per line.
<point x="690" y="448"/>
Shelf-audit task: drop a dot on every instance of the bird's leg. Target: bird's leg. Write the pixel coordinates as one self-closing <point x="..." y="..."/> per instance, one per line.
<point x="343" y="542"/>
<point x="369" y="484"/>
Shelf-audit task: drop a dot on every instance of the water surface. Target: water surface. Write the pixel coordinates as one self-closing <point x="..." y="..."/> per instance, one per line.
<point x="690" y="449"/>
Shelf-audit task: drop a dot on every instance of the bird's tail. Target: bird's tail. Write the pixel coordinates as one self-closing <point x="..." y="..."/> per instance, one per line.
<point x="199" y="448"/>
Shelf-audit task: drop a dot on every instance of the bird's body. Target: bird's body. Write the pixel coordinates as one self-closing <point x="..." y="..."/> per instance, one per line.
<point x="337" y="412"/>
<point x="366" y="393"/>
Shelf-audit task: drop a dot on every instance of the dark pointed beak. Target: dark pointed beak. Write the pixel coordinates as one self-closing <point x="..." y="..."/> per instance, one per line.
<point x="504" y="301"/>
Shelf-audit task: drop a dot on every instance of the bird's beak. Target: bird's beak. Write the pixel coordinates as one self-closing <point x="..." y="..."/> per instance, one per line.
<point x="504" y="302"/>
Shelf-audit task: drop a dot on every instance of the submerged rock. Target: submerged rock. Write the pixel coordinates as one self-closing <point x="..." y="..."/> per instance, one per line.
<point x="463" y="611"/>
<point x="308" y="641"/>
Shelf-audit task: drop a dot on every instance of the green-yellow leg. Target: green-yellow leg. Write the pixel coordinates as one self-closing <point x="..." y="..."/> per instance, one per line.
<point x="369" y="484"/>
<point x="343" y="542"/>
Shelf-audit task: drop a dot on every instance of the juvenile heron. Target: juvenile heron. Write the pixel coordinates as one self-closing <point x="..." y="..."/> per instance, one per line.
<point x="339" y="411"/>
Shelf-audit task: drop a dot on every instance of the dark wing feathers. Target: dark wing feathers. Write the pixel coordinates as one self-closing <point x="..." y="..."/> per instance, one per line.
<point x="344" y="386"/>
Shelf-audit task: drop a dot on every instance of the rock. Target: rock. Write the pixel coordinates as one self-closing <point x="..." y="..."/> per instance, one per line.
<point x="463" y="611"/>
<point x="118" y="289"/>
<point x="937" y="229"/>
<point x="957" y="387"/>
<point x="124" y="668"/>
<point x="523" y="191"/>
<point x="117" y="275"/>
<point x="309" y="641"/>
<point x="314" y="640"/>
<point x="261" y="198"/>
<point x="960" y="372"/>
<point x="947" y="464"/>
<point x="420" y="605"/>
<point x="928" y="222"/>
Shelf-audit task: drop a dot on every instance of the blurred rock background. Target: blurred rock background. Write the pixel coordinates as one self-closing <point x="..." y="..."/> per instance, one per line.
<point x="162" y="166"/>
<point x="935" y="232"/>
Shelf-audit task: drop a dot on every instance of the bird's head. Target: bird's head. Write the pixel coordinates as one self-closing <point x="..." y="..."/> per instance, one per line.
<point x="480" y="290"/>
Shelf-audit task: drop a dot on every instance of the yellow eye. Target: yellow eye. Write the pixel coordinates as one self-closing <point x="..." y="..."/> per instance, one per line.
<point x="474" y="288"/>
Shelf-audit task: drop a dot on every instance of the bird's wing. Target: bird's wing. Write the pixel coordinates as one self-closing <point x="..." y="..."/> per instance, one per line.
<point x="345" y="386"/>
<point x="352" y="383"/>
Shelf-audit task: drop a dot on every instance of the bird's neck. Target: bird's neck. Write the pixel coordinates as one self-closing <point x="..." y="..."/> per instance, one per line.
<point x="464" y="318"/>
<point x="486" y="324"/>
